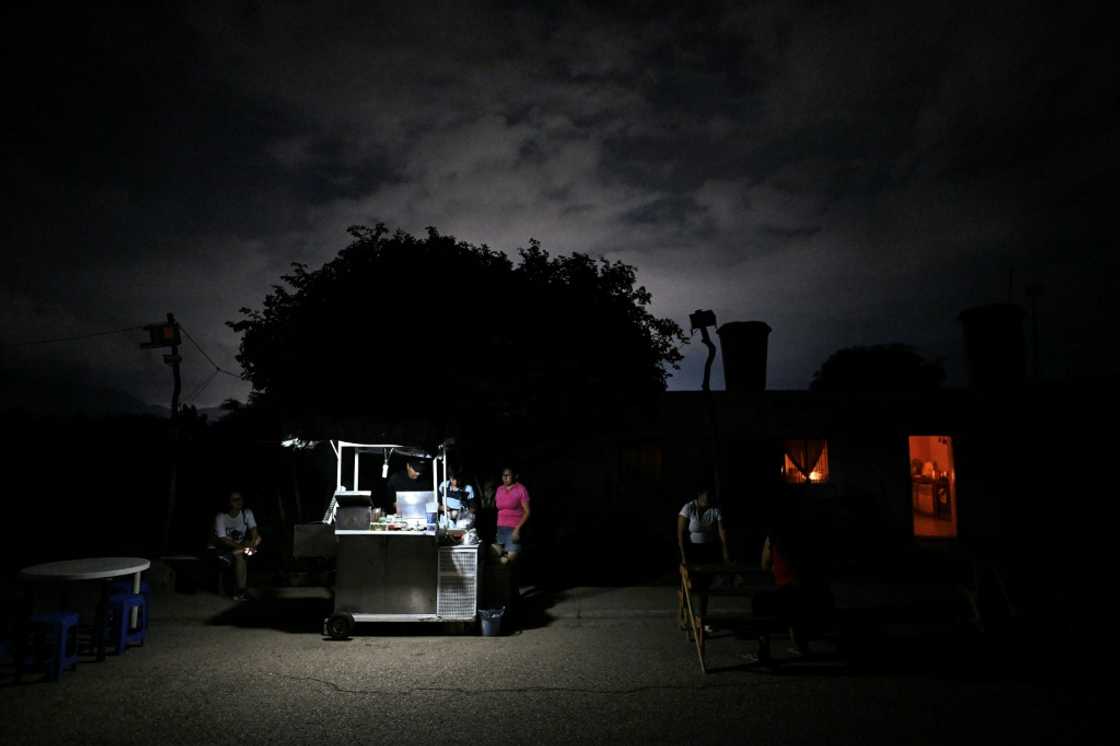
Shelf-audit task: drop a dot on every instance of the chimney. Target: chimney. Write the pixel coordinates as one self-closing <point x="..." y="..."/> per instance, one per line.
<point x="743" y="344"/>
<point x="994" y="352"/>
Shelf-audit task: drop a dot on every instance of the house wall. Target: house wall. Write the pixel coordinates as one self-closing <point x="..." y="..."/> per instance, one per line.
<point x="605" y="504"/>
<point x="863" y="510"/>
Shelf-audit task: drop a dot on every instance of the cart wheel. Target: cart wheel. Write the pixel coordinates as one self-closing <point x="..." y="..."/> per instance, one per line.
<point x="338" y="626"/>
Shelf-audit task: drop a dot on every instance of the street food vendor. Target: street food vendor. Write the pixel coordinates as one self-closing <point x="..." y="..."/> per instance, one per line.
<point x="402" y="481"/>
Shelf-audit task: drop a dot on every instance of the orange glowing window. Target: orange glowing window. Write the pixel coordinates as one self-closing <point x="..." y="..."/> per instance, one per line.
<point x="933" y="486"/>
<point x="805" y="461"/>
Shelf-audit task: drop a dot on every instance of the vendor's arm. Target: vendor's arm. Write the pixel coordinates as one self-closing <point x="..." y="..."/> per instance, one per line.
<point x="723" y="541"/>
<point x="682" y="530"/>
<point x="766" y="556"/>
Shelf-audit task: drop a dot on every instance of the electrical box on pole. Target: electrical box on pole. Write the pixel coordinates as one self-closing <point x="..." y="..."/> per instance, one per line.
<point x="163" y="334"/>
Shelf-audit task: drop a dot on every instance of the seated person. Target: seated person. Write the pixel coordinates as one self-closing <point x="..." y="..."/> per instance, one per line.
<point x="235" y="538"/>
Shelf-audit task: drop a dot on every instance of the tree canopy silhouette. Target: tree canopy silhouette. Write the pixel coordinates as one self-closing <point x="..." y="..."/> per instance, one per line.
<point x="887" y="367"/>
<point x="398" y="327"/>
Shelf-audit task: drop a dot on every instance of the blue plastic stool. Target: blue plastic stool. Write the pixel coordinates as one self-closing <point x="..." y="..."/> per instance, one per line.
<point x="63" y="628"/>
<point x="122" y="634"/>
<point x="125" y="586"/>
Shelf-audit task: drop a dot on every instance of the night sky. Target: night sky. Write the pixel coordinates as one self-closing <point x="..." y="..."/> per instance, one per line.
<point x="850" y="173"/>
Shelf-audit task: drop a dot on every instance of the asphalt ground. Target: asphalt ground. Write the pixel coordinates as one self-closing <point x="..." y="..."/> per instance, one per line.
<point x="589" y="665"/>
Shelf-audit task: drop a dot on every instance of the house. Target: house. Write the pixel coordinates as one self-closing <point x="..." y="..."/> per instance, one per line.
<point x="912" y="483"/>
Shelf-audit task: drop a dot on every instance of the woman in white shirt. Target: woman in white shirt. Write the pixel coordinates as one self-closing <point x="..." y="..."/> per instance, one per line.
<point x="701" y="536"/>
<point x="702" y="539"/>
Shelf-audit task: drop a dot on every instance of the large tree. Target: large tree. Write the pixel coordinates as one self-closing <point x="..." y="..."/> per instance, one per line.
<point x="885" y="367"/>
<point x="398" y="327"/>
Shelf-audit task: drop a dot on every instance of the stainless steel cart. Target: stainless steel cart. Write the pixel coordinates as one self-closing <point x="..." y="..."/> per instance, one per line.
<point x="414" y="574"/>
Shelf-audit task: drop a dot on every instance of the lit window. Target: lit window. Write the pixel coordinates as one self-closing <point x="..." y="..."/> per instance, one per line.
<point x="805" y="461"/>
<point x="933" y="486"/>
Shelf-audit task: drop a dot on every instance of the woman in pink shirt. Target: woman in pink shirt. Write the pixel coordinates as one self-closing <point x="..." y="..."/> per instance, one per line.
<point x="512" y="501"/>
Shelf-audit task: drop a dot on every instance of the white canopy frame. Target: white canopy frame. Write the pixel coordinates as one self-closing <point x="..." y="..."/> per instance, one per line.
<point x="386" y="450"/>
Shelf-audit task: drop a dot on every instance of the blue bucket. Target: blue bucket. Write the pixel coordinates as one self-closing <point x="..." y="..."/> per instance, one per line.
<point x="491" y="621"/>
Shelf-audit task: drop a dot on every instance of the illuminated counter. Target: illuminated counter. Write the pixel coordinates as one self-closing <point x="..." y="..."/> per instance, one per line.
<point x="382" y="532"/>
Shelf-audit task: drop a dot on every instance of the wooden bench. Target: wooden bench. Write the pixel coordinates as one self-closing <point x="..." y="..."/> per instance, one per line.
<point x="193" y="572"/>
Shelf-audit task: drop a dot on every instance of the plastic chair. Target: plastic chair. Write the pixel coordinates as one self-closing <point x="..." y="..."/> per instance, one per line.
<point x="123" y="635"/>
<point x="63" y="652"/>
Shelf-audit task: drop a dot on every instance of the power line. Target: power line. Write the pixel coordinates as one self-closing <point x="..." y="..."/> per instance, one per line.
<point x="200" y="388"/>
<point x="217" y="368"/>
<point x="190" y="398"/>
<point x="77" y="337"/>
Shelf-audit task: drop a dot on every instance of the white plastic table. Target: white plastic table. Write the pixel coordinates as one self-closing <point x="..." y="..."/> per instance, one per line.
<point x="90" y="568"/>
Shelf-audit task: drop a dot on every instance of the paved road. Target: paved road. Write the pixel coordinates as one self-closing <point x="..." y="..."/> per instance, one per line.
<point x="601" y="665"/>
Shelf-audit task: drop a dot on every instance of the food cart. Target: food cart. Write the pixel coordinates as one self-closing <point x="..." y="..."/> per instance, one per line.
<point x="396" y="568"/>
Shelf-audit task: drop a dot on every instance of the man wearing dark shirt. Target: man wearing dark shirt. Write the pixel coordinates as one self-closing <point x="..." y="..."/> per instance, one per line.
<point x="403" y="481"/>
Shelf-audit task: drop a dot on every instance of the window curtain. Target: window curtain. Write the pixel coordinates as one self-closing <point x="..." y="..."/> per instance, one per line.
<point x="804" y="454"/>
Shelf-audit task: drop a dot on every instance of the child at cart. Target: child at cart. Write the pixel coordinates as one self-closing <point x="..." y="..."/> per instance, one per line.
<point x="461" y="506"/>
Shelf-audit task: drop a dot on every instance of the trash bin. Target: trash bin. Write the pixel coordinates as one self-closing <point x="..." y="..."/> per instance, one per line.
<point x="491" y="621"/>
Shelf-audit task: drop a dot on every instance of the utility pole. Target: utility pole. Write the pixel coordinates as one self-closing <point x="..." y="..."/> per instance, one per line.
<point x="166" y="334"/>
<point x="700" y="319"/>
<point x="173" y="360"/>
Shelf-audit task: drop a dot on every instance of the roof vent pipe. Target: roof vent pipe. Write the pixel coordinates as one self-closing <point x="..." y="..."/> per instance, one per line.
<point x="743" y="344"/>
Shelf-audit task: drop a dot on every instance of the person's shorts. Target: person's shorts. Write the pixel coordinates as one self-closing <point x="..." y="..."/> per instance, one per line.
<point x="220" y="557"/>
<point x="505" y="540"/>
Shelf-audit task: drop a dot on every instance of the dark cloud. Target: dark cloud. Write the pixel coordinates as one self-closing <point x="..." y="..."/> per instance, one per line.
<point x="669" y="210"/>
<point x="853" y="173"/>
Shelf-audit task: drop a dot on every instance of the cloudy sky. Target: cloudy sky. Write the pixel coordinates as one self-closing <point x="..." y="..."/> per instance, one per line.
<point x="850" y="173"/>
